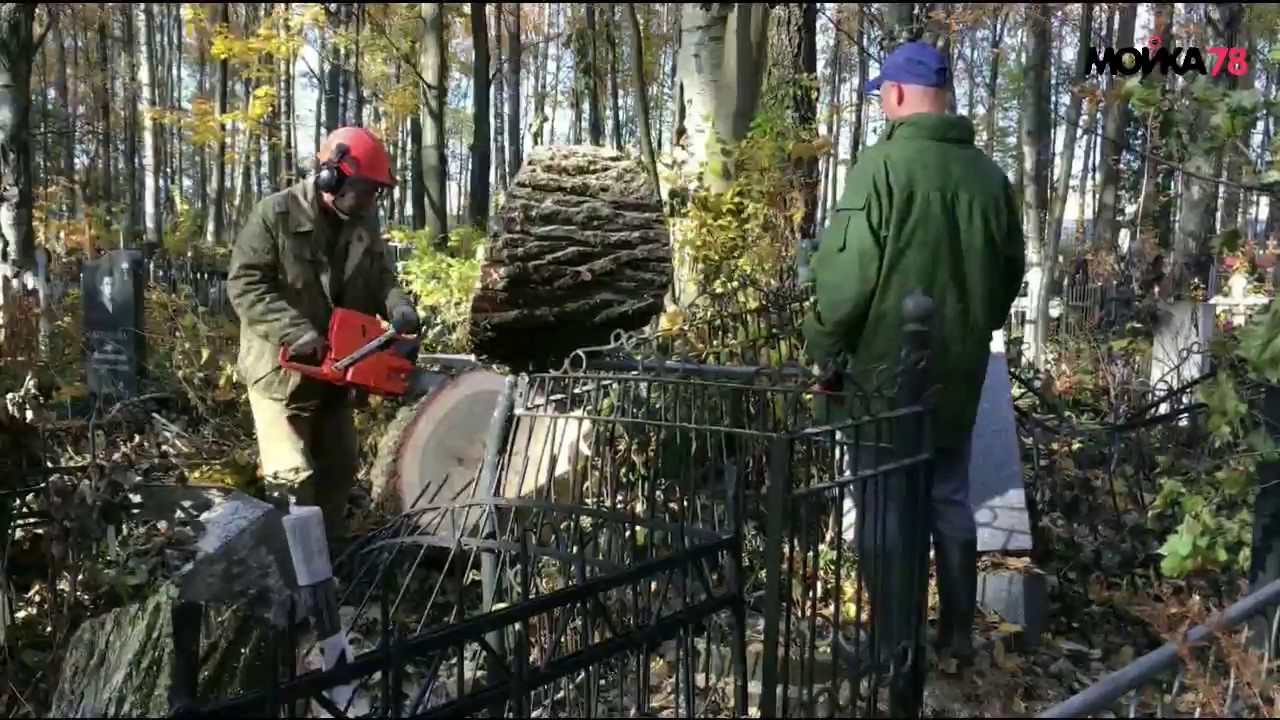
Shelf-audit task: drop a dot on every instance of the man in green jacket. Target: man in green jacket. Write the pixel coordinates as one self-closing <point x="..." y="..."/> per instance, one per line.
<point x="923" y="210"/>
<point x="305" y="250"/>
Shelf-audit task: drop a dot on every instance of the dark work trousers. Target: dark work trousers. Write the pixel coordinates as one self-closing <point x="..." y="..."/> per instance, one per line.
<point x="873" y="522"/>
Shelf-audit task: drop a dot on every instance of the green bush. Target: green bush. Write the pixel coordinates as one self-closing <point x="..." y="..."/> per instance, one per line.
<point x="442" y="281"/>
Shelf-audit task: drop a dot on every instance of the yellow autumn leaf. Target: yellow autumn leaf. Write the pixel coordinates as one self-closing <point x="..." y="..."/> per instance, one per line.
<point x="670" y="320"/>
<point x="1008" y="627"/>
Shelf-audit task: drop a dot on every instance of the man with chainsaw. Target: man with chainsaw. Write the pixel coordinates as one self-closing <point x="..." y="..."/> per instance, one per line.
<point x="304" y="251"/>
<point x="922" y="210"/>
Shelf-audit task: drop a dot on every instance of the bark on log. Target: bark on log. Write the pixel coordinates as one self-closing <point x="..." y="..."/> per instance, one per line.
<point x="579" y="248"/>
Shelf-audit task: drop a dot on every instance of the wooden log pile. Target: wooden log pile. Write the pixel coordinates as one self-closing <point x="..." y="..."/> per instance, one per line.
<point x="579" y="248"/>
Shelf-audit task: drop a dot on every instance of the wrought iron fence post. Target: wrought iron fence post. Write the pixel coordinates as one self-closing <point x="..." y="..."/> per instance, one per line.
<point x="777" y="488"/>
<point x="910" y="579"/>
<point x="1265" y="557"/>
<point x="495" y="442"/>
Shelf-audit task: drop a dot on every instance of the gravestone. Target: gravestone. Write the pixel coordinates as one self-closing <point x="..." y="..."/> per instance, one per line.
<point x="1175" y="360"/>
<point x="998" y="493"/>
<point x="996" y="487"/>
<point x="111" y="296"/>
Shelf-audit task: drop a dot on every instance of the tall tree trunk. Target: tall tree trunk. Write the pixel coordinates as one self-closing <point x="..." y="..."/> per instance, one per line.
<point x="677" y="88"/>
<point x="1071" y="124"/>
<point x="833" y="120"/>
<point x="289" y="117"/>
<point x="642" y="96"/>
<point x="611" y="32"/>
<point x="434" y="151"/>
<point x="578" y="93"/>
<point x="722" y="62"/>
<point x="357" y="82"/>
<point x="555" y="88"/>
<point x="66" y="124"/>
<point x="333" y="77"/>
<point x="538" y="124"/>
<point x="806" y="112"/>
<point x="18" y="47"/>
<point x="106" y="148"/>
<point x="594" y="121"/>
<point x="129" y="234"/>
<point x="142" y="14"/>
<point x="499" y="96"/>
<point x="1154" y="217"/>
<point x="217" y="225"/>
<point x="515" y="139"/>
<point x="1236" y="34"/>
<point x="1114" y="125"/>
<point x="999" y="23"/>
<point x="202" y="158"/>
<point x="478" y="197"/>
<point x="1036" y="152"/>
<point x="417" y="169"/>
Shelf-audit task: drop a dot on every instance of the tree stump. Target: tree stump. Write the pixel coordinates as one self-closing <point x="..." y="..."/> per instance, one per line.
<point x="579" y="249"/>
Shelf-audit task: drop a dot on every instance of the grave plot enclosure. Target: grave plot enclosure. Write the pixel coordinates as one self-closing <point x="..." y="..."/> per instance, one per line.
<point x="650" y="535"/>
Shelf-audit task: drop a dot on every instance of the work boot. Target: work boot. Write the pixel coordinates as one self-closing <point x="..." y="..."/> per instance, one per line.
<point x="957" y="571"/>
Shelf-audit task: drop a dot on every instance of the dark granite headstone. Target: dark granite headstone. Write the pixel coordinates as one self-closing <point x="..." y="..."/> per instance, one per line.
<point x="111" y="296"/>
<point x="997" y="488"/>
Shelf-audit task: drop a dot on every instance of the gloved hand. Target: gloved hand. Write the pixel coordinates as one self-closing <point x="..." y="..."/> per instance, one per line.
<point x="405" y="320"/>
<point x="310" y="346"/>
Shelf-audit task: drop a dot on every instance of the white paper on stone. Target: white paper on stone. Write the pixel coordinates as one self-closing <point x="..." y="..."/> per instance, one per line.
<point x="996" y="485"/>
<point x="304" y="529"/>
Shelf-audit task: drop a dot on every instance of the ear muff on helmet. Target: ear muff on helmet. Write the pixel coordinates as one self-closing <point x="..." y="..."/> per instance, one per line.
<point x="331" y="177"/>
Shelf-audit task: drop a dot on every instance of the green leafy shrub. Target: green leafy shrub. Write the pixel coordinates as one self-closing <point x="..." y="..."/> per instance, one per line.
<point x="442" y="281"/>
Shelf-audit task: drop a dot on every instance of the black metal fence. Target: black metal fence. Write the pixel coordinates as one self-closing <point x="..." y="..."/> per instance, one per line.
<point x="654" y="535"/>
<point x="1098" y="462"/>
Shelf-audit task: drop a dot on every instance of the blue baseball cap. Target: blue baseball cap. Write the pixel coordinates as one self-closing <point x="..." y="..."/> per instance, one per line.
<point x="913" y="63"/>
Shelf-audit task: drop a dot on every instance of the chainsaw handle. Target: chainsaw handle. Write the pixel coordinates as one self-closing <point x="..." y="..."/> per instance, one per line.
<point x="323" y="371"/>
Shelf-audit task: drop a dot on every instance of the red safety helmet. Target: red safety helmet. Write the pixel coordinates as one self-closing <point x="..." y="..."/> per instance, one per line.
<point x="358" y="153"/>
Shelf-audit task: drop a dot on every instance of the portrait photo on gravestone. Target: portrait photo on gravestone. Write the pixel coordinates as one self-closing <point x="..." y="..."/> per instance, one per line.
<point x="111" y="291"/>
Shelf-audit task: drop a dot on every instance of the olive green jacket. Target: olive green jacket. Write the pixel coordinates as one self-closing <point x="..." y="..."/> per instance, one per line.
<point x="282" y="281"/>
<point x="923" y="209"/>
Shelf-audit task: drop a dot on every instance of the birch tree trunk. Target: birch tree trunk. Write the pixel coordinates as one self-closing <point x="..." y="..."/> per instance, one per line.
<point x="152" y="220"/>
<point x="18" y="45"/>
<point x="723" y="56"/>
<point x="1036" y="153"/>
<point x="217" y="218"/>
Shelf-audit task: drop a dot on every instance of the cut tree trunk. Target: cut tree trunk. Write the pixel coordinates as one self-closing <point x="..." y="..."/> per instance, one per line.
<point x="580" y="248"/>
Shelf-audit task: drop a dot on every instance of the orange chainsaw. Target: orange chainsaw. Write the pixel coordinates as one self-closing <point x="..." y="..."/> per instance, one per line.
<point x="360" y="353"/>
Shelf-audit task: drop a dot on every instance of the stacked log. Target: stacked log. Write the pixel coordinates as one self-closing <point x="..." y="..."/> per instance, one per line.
<point x="579" y="249"/>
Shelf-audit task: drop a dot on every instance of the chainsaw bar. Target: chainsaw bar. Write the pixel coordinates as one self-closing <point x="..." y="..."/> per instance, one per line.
<point x="432" y="452"/>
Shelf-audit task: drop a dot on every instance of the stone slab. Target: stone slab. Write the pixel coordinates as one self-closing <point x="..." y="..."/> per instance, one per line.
<point x="997" y="488"/>
<point x="1019" y="598"/>
<point x="242" y="553"/>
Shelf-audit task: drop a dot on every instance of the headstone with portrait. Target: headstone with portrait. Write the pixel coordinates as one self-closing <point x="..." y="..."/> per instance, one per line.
<point x="111" y="296"/>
